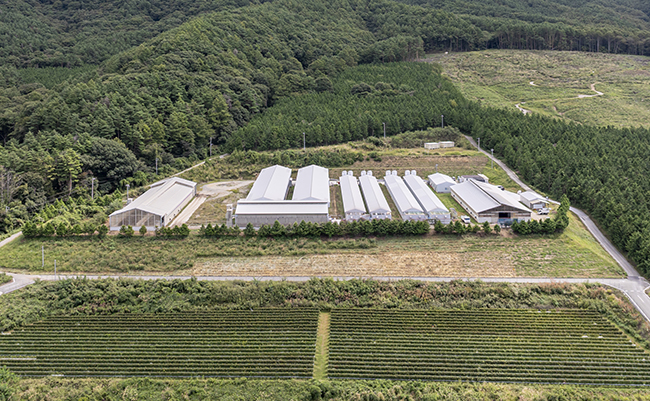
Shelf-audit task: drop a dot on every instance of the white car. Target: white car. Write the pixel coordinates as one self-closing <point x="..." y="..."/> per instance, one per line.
<point x="465" y="219"/>
<point x="543" y="210"/>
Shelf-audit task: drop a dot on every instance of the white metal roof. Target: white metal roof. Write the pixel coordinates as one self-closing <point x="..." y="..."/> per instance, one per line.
<point x="312" y="183"/>
<point x="291" y="207"/>
<point x="428" y="200"/>
<point x="531" y="196"/>
<point x="404" y="199"/>
<point x="372" y="193"/>
<point x="271" y="184"/>
<point x="163" y="197"/>
<point x="438" y="179"/>
<point x="352" y="200"/>
<point x="481" y="196"/>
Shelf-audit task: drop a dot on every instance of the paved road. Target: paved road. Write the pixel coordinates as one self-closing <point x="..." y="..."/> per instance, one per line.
<point x="635" y="285"/>
<point x="8" y="240"/>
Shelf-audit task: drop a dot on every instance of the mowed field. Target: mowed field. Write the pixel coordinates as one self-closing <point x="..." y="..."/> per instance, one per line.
<point x="556" y="83"/>
<point x="569" y="346"/>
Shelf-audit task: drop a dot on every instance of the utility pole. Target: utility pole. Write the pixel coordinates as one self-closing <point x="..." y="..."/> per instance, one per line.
<point x="55" y="269"/>
<point x="92" y="189"/>
<point x="384" y="130"/>
<point x="443" y="120"/>
<point x="492" y="159"/>
<point x="156" y="165"/>
<point x="127" y="192"/>
<point x="479" y="143"/>
<point x="304" y="144"/>
<point x="42" y="256"/>
<point x="210" y="146"/>
<point x="436" y="168"/>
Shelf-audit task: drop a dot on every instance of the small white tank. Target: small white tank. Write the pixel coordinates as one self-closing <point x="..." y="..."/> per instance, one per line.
<point x="394" y="172"/>
<point x="350" y="172"/>
<point x="363" y="172"/>
<point x="413" y="172"/>
<point x="369" y="173"/>
<point x="407" y="172"/>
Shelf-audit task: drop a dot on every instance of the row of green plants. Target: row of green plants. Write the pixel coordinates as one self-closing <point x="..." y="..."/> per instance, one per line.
<point x="329" y="229"/>
<point x="63" y="229"/>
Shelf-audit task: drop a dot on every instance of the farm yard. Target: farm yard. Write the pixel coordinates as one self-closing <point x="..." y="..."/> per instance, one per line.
<point x="562" y="346"/>
<point x="275" y="343"/>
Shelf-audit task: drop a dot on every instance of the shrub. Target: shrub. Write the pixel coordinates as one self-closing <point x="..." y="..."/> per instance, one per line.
<point x="126" y="231"/>
<point x="143" y="230"/>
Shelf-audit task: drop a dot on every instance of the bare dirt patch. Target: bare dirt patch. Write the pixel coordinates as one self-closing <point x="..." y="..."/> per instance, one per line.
<point x="396" y="264"/>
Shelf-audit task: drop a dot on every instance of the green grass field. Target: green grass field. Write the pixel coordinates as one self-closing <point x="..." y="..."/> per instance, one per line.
<point x="502" y="78"/>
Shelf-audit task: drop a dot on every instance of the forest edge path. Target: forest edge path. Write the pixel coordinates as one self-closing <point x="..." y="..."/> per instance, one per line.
<point x="532" y="83"/>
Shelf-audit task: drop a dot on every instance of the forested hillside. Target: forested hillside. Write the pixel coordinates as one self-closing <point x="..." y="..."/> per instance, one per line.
<point x="620" y="26"/>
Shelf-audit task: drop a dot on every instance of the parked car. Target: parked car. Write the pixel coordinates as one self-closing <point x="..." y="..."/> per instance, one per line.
<point x="543" y="210"/>
<point x="465" y="219"/>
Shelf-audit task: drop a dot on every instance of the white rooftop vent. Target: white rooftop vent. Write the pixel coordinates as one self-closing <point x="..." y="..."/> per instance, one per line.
<point x="363" y="172"/>
<point x="344" y="173"/>
<point x="413" y="172"/>
<point x="387" y="172"/>
<point x="407" y="172"/>
<point x="350" y="172"/>
<point x="369" y="173"/>
<point x="394" y="172"/>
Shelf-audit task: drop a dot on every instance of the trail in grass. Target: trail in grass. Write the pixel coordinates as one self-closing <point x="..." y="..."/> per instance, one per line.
<point x="593" y="88"/>
<point x="322" y="343"/>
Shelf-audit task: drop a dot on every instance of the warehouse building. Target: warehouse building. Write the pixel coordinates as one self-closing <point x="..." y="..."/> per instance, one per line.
<point x="441" y="183"/>
<point x="157" y="207"/>
<point x="431" y="205"/>
<point x="286" y="212"/>
<point x="266" y="203"/>
<point x="407" y="205"/>
<point x="487" y="202"/>
<point x="312" y="183"/>
<point x="532" y="200"/>
<point x="272" y="184"/>
<point x="351" y="194"/>
<point x="377" y="205"/>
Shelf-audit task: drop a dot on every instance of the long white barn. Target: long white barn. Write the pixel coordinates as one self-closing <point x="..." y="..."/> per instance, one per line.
<point x="352" y="200"/>
<point x="157" y="207"/>
<point x="432" y="206"/>
<point x="312" y="183"/>
<point x="375" y="200"/>
<point x="272" y="184"/>
<point x="407" y="205"/>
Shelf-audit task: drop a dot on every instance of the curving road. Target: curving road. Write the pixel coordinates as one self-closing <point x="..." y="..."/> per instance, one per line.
<point x="634" y="286"/>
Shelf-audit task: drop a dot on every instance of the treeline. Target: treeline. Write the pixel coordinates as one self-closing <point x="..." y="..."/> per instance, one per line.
<point x="619" y="26"/>
<point x="308" y="229"/>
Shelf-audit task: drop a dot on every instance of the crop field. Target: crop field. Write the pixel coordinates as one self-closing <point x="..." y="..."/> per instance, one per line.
<point x="277" y="343"/>
<point x="561" y="346"/>
<point x="557" y="84"/>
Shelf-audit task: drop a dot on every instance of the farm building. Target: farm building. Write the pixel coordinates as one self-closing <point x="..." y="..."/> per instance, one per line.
<point x="477" y="177"/>
<point x="532" y="200"/>
<point x="352" y="200"/>
<point x="432" y="145"/>
<point x="408" y="206"/>
<point x="312" y="183"/>
<point x="429" y="202"/>
<point x="441" y="183"/>
<point x="487" y="202"/>
<point x="272" y="184"/>
<point x="287" y="212"/>
<point x="377" y="205"/>
<point x="266" y="201"/>
<point x="157" y="207"/>
<point x="447" y="144"/>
